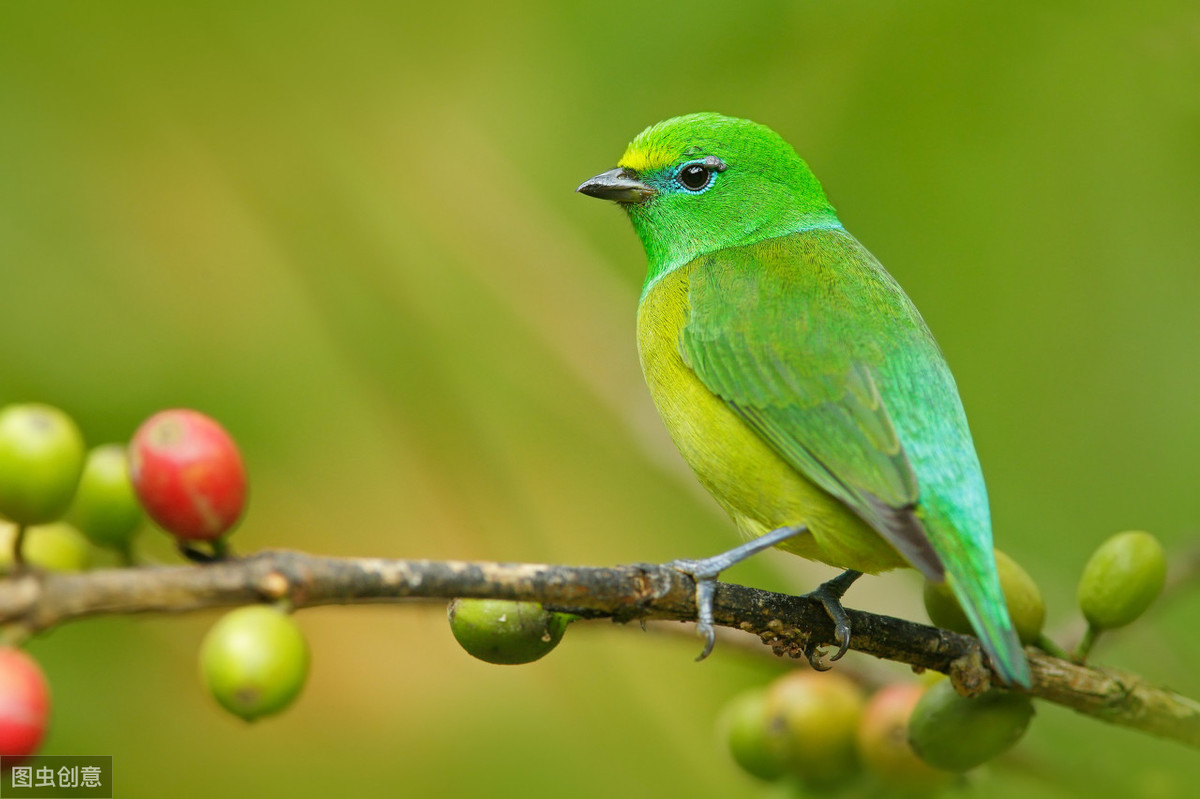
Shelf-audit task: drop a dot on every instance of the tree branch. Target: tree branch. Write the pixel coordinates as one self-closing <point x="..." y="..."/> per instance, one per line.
<point x="35" y="601"/>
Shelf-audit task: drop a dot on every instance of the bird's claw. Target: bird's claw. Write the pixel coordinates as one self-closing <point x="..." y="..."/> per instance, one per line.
<point x="842" y="633"/>
<point x="710" y="641"/>
<point x="705" y="589"/>
<point x="814" y="653"/>
<point x="705" y="572"/>
<point x="829" y="594"/>
<point x="706" y="586"/>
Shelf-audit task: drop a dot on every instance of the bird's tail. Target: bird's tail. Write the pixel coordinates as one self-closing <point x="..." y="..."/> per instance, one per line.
<point x="978" y="592"/>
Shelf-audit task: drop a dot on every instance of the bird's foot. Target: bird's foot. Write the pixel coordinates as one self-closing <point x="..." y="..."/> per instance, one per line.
<point x="830" y="594"/>
<point x="705" y="572"/>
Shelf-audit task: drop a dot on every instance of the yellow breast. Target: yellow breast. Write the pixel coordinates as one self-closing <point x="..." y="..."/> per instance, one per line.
<point x="759" y="489"/>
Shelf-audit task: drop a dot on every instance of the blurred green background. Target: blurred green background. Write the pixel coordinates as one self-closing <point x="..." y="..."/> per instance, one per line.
<point x="348" y="232"/>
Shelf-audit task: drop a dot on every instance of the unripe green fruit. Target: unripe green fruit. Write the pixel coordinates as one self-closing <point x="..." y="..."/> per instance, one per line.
<point x="504" y="632"/>
<point x="812" y="717"/>
<point x="1121" y="579"/>
<point x="957" y="734"/>
<point x="41" y="456"/>
<point x="743" y="726"/>
<point x="254" y="661"/>
<point x="1024" y="600"/>
<point x="943" y="608"/>
<point x="105" y="508"/>
<point x="882" y="740"/>
<point x="55" y="547"/>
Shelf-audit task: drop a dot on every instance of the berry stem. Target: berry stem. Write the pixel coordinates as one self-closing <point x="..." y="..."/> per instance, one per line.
<point x="1085" y="645"/>
<point x="18" y="541"/>
<point x="125" y="555"/>
<point x="1050" y="648"/>
<point x="15" y="635"/>
<point x="221" y="551"/>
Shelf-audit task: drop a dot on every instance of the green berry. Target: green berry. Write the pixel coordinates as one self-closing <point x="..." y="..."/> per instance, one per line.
<point x="105" y="508"/>
<point x="1024" y="600"/>
<point x="41" y="456"/>
<point x="882" y="739"/>
<point x="1121" y="579"/>
<point x="743" y="726"/>
<point x="812" y="717"/>
<point x="504" y="632"/>
<point x="55" y="547"/>
<point x="1026" y="607"/>
<point x="957" y="733"/>
<point x="254" y="661"/>
<point x="943" y="608"/>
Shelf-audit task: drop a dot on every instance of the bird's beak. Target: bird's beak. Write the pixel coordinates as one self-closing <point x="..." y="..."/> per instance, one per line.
<point x="617" y="185"/>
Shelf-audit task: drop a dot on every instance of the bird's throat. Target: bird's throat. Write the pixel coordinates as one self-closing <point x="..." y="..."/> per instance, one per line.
<point x="670" y="249"/>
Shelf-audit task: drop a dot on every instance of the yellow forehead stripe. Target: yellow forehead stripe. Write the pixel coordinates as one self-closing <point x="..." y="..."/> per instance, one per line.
<point x="648" y="159"/>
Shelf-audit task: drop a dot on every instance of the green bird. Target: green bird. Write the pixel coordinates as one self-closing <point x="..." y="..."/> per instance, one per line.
<point x="795" y="376"/>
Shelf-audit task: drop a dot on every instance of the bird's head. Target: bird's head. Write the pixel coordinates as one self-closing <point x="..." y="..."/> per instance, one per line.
<point x="703" y="182"/>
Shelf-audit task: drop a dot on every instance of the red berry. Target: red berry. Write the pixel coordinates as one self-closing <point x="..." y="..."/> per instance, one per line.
<point x="188" y="474"/>
<point x="882" y="740"/>
<point x="24" y="704"/>
<point x="811" y="718"/>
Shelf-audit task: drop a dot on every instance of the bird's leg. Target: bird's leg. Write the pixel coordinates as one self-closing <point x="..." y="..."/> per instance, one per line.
<point x="705" y="572"/>
<point x="830" y="594"/>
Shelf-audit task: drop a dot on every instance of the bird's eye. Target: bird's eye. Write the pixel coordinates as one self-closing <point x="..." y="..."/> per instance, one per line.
<point x="695" y="177"/>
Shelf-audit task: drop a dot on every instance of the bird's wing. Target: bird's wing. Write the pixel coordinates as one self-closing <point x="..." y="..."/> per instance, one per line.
<point x="776" y="329"/>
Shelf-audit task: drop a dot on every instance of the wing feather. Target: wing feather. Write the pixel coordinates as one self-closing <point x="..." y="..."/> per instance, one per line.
<point x="800" y="374"/>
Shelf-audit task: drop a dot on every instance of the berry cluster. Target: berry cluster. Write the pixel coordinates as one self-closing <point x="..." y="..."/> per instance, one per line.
<point x="61" y="504"/>
<point x="1120" y="581"/>
<point x="911" y="738"/>
<point x="824" y="731"/>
